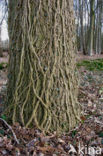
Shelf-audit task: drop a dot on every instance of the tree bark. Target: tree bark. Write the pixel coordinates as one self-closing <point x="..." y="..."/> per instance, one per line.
<point x="91" y="31"/>
<point x="99" y="27"/>
<point x="1" y="51"/>
<point x="42" y="79"/>
<point x="82" y="43"/>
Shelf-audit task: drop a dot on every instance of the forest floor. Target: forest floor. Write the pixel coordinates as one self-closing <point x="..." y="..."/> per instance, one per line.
<point x="85" y="139"/>
<point x="80" y="56"/>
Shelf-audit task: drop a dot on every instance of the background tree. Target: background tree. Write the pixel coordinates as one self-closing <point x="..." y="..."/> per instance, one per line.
<point x="89" y="25"/>
<point x="3" y="16"/>
<point x="42" y="85"/>
<point x="98" y="31"/>
<point x="91" y="30"/>
<point x="0" y="44"/>
<point x="82" y="43"/>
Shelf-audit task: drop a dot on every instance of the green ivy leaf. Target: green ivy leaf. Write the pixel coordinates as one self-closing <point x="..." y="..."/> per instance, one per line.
<point x="100" y="134"/>
<point x="74" y="133"/>
<point x="2" y="131"/>
<point x="3" y="117"/>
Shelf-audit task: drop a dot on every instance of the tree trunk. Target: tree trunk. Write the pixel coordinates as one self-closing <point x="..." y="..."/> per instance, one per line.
<point x="91" y="31"/>
<point x="82" y="43"/>
<point x="99" y="28"/>
<point x="1" y="51"/>
<point x="42" y="85"/>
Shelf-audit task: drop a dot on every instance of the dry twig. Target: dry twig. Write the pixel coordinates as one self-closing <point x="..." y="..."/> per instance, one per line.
<point x="17" y="141"/>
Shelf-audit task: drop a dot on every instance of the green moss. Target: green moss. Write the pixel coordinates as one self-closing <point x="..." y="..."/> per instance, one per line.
<point x="92" y="64"/>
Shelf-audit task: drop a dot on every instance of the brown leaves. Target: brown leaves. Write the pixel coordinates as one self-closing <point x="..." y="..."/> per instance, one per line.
<point x="35" y="143"/>
<point x="46" y="149"/>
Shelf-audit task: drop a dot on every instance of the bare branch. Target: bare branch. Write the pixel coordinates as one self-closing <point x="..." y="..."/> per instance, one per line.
<point x="17" y="141"/>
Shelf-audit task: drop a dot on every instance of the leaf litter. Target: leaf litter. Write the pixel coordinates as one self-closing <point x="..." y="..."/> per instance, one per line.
<point x="33" y="142"/>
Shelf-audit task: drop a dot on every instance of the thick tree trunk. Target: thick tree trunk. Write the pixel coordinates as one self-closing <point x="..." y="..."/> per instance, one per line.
<point x="42" y="85"/>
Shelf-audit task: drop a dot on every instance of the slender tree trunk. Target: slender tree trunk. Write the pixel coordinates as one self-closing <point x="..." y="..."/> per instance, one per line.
<point x="1" y="51"/>
<point x="91" y="31"/>
<point x="82" y="27"/>
<point x="99" y="27"/>
<point x="85" y="27"/>
<point x="82" y="44"/>
<point x="88" y="26"/>
<point x="96" y="38"/>
<point x="42" y="85"/>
